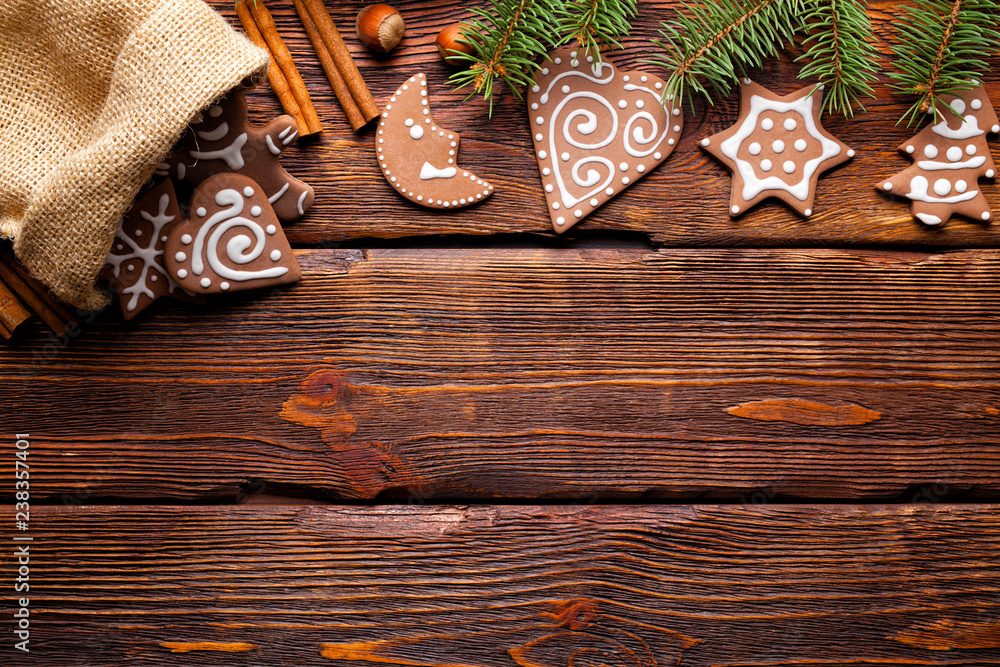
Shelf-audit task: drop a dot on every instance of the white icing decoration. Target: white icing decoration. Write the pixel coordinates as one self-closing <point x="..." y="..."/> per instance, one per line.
<point x="918" y="192"/>
<point x="800" y="145"/>
<point x="754" y="148"/>
<point x="181" y="170"/>
<point x="232" y="154"/>
<point x="416" y="132"/>
<point x="788" y="166"/>
<point x="766" y="124"/>
<point x="224" y="285"/>
<point x="929" y="219"/>
<point x="790" y="124"/>
<point x="271" y="147"/>
<point x="210" y="235"/>
<point x="752" y="185"/>
<point x="972" y="163"/>
<point x="277" y="195"/>
<point x="284" y="132"/>
<point x="201" y="211"/>
<point x="954" y="154"/>
<point x="429" y="171"/>
<point x="967" y="130"/>
<point x="255" y="211"/>
<point x="778" y="146"/>
<point x="970" y="149"/>
<point x="275" y="255"/>
<point x="205" y="282"/>
<point x="302" y="199"/>
<point x="216" y="134"/>
<point x="961" y="186"/>
<point x="182" y="273"/>
<point x="942" y="186"/>
<point x="765" y="165"/>
<point x="977" y="104"/>
<point x="958" y="105"/>
<point x="931" y="151"/>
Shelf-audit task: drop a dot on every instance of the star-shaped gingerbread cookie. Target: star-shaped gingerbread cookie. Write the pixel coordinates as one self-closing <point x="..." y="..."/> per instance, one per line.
<point x="777" y="148"/>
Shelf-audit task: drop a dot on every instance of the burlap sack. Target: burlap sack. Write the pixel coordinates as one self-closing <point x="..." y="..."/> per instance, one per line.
<point x="93" y="93"/>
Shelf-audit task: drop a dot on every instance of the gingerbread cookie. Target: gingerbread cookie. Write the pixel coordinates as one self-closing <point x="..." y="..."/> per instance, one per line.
<point x="232" y="242"/>
<point x="950" y="157"/>
<point x="223" y="141"/>
<point x="596" y="131"/>
<point x="418" y="157"/>
<point x="777" y="148"/>
<point x="138" y="272"/>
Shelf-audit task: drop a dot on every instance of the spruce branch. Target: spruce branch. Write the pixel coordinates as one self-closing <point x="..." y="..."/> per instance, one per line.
<point x="941" y="49"/>
<point x="510" y="36"/>
<point x="841" y="52"/>
<point x="506" y="39"/>
<point x="596" y="24"/>
<point x="716" y="42"/>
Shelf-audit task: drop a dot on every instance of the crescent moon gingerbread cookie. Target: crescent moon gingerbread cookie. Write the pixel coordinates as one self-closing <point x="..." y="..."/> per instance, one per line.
<point x="418" y="157"/>
<point x="138" y="271"/>
<point x="223" y="141"/>
<point x="777" y="148"/>
<point x="232" y="242"/>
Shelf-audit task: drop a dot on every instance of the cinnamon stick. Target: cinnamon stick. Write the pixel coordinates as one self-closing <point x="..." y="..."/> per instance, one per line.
<point x="265" y="25"/>
<point x="342" y="57"/>
<point x="34" y="295"/>
<point x="279" y="84"/>
<point x="12" y="313"/>
<point x="340" y="89"/>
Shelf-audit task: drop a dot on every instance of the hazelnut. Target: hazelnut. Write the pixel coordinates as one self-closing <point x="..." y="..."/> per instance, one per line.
<point x="380" y="27"/>
<point x="447" y="43"/>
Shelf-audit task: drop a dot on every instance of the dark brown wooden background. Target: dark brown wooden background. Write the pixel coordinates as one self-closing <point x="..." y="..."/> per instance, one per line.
<point x="668" y="437"/>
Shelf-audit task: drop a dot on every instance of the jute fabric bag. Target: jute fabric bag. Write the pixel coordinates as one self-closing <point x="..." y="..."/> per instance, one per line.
<point x="93" y="94"/>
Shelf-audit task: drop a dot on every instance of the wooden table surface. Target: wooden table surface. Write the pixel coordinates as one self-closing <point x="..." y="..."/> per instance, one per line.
<point x="665" y="438"/>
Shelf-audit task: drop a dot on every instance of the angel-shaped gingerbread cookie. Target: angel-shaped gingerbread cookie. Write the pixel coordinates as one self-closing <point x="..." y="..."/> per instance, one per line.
<point x="223" y="141"/>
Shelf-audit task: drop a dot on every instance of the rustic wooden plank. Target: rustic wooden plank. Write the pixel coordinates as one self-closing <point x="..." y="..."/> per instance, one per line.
<point x="580" y="374"/>
<point x="531" y="586"/>
<point x="683" y="202"/>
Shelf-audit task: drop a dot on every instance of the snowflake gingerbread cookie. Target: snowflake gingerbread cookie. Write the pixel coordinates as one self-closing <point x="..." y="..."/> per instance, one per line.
<point x="223" y="141"/>
<point x="778" y="148"/>
<point x="138" y="272"/>
<point x="950" y="157"/>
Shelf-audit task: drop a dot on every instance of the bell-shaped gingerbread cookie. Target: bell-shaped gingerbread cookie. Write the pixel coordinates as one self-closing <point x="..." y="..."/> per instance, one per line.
<point x="224" y="141"/>
<point x="232" y="242"/>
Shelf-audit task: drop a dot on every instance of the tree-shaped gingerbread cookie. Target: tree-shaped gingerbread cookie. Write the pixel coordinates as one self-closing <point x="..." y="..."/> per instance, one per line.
<point x="950" y="156"/>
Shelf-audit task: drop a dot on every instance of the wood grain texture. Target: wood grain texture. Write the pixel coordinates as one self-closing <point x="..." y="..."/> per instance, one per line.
<point x="505" y="586"/>
<point x="587" y="374"/>
<point x="684" y="202"/>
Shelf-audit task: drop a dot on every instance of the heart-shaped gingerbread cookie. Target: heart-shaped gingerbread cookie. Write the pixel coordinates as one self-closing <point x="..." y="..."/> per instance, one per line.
<point x="232" y="242"/>
<point x="596" y="131"/>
